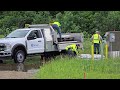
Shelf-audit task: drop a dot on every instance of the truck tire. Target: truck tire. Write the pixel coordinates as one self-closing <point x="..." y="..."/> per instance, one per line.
<point x="19" y="56"/>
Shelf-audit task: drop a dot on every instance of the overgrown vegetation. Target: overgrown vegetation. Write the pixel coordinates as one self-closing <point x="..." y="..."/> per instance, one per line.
<point x="71" y="21"/>
<point x="75" y="68"/>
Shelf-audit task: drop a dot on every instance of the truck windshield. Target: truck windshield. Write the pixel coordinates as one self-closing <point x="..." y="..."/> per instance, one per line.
<point x="17" y="34"/>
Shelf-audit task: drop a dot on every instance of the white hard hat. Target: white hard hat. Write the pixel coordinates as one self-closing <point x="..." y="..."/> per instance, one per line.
<point x="97" y="31"/>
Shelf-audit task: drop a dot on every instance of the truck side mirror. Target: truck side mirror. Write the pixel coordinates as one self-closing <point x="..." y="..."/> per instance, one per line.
<point x="29" y="38"/>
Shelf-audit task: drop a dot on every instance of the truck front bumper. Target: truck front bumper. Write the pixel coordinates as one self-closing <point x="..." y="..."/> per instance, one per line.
<point x="4" y="54"/>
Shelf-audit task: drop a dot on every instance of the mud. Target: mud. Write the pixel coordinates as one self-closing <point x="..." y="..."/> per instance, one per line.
<point x="18" y="71"/>
<point x="18" y="67"/>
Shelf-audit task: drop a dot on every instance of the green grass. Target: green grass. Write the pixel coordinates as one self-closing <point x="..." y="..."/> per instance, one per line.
<point x="74" y="68"/>
<point x="87" y="46"/>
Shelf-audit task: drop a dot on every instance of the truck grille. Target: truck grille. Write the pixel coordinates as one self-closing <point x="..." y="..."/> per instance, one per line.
<point x="2" y="47"/>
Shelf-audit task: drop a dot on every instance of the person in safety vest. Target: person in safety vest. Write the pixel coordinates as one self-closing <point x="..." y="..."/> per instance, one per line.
<point x="96" y="39"/>
<point x="57" y="26"/>
<point x="72" y="49"/>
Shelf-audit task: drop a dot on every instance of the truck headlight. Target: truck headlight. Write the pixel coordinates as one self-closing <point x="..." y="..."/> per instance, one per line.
<point x="8" y="46"/>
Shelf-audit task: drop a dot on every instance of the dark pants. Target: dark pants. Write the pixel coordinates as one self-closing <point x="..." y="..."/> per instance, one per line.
<point x="96" y="48"/>
<point x="71" y="53"/>
<point x="57" y="28"/>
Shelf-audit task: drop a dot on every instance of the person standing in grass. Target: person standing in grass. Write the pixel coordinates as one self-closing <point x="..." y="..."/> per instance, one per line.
<point x="96" y="39"/>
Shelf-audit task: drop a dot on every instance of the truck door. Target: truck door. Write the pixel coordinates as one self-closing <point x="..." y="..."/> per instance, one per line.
<point x="35" y="42"/>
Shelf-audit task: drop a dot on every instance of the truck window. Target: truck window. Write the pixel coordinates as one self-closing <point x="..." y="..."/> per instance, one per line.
<point x="18" y="34"/>
<point x="36" y="33"/>
<point x="33" y="34"/>
<point x="40" y="34"/>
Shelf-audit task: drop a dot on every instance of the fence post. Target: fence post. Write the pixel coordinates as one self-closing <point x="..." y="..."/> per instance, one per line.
<point x="106" y="51"/>
<point x="92" y="51"/>
<point x="101" y="49"/>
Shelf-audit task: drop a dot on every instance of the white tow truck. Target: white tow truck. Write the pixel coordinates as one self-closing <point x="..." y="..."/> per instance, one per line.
<point x="36" y="39"/>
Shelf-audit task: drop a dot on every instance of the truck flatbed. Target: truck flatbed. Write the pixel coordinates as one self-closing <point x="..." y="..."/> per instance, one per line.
<point x="71" y="37"/>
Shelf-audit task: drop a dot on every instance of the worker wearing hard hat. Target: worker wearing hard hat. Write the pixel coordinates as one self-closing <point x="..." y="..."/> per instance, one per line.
<point x="72" y="49"/>
<point x="96" y="39"/>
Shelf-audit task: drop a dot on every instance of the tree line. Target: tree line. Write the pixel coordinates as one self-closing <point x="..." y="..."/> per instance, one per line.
<point x="71" y="21"/>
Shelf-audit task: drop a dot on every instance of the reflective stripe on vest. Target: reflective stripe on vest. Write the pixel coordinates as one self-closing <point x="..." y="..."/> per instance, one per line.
<point x="96" y="38"/>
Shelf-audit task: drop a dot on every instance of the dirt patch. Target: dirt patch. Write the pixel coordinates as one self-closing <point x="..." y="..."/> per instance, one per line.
<point x="18" y="71"/>
<point x="16" y="75"/>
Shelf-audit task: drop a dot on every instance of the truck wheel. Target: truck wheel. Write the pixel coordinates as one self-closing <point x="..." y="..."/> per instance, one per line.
<point x="19" y="56"/>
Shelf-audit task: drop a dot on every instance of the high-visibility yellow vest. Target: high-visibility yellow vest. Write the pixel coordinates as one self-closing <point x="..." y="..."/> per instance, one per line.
<point x="57" y="23"/>
<point x="73" y="47"/>
<point x="96" y="38"/>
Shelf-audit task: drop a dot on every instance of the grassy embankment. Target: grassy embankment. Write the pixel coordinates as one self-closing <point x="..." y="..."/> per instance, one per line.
<point x="76" y="68"/>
